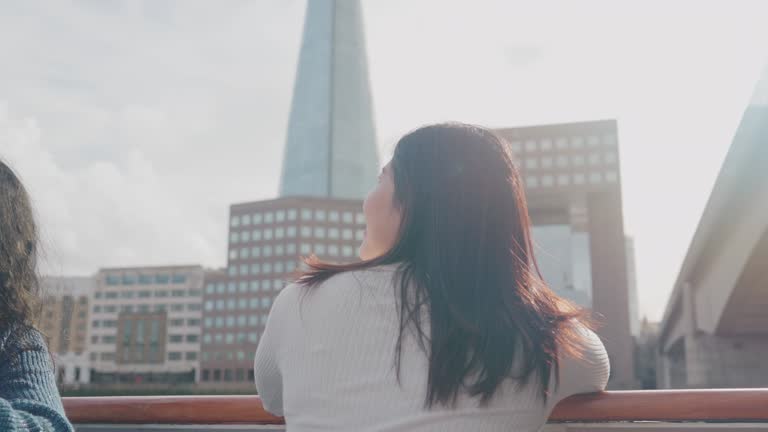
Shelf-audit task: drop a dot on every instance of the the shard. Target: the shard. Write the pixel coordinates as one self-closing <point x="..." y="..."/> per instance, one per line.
<point x="331" y="141"/>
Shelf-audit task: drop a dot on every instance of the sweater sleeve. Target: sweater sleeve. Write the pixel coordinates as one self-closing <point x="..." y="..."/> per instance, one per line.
<point x="29" y="399"/>
<point x="266" y="368"/>
<point x="587" y="374"/>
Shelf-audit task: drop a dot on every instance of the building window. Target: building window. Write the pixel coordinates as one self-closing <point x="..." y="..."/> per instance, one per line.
<point x="112" y="280"/>
<point x="242" y="286"/>
<point x="266" y="302"/>
<point x="257" y="218"/>
<point x="110" y="295"/>
<point x="233" y="254"/>
<point x="530" y="145"/>
<point x="290" y="266"/>
<point x="246" y="236"/>
<point x="359" y="235"/>
<point x="306" y="231"/>
<point x="208" y="322"/>
<point x="265" y="285"/>
<point x="532" y="181"/>
<point x="97" y="309"/>
<point x="94" y="339"/>
<point x="279" y="233"/>
<point x="347" y="217"/>
<point x="233" y="271"/>
<point x="531" y="163"/>
<point x="234" y="237"/>
<point x="290" y="248"/>
<point x="243" y="269"/>
<point x="516" y="146"/>
<point x="177" y="322"/>
<point x="256" y="234"/>
<point x="561" y="143"/>
<point x="360" y="218"/>
<point x="231" y="303"/>
<point x="234" y="221"/>
<point x="210" y="288"/>
<point x="174" y="356"/>
<point x="246" y="220"/>
<point x="563" y="179"/>
<point x="191" y="355"/>
<point x="547" y="180"/>
<point x="175" y="338"/>
<point x="107" y="356"/>
<point x="333" y="233"/>
<point x="162" y="279"/>
<point x="266" y="268"/>
<point x="177" y="307"/>
<point x="256" y="251"/>
<point x="253" y="337"/>
<point x="610" y="158"/>
<point x="254" y="285"/>
<point x="277" y="284"/>
<point x="595" y="178"/>
<point x="611" y="177"/>
<point x="178" y="293"/>
<point x="110" y="309"/>
<point x="290" y="232"/>
<point x="219" y="322"/>
<point x="268" y="217"/>
<point x="594" y="159"/>
<point x="193" y="338"/>
<point x="242" y="303"/>
<point x="546" y="162"/>
<point x="333" y="250"/>
<point x="267" y="251"/>
<point x="97" y="295"/>
<point x="319" y="232"/>
<point x="593" y="141"/>
<point x="229" y="338"/>
<point x="268" y="234"/>
<point x="144" y="308"/>
<point x="279" y="250"/>
<point x="333" y="216"/>
<point x="255" y="268"/>
<point x="264" y="319"/>
<point x="305" y="248"/>
<point x="306" y="214"/>
<point x="346" y="234"/>
<point x="145" y="280"/>
<point x="578" y="160"/>
<point x="319" y="248"/>
<point x="292" y="214"/>
<point x="609" y="139"/>
<point x="562" y="161"/>
<point x="279" y="267"/>
<point x="209" y="305"/>
<point x="320" y="215"/>
<point x="577" y="142"/>
<point x="346" y="251"/>
<point x="546" y="144"/>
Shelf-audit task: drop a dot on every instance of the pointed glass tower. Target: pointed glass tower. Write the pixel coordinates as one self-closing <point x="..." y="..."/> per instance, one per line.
<point x="331" y="141"/>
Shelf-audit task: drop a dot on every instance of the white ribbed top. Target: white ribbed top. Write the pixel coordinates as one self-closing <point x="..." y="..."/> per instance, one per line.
<point x="326" y="362"/>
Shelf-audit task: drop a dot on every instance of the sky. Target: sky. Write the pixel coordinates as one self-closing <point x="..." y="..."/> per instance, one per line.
<point x="135" y="124"/>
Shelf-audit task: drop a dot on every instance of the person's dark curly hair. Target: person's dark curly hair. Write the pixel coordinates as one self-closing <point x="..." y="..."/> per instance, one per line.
<point x="19" y="283"/>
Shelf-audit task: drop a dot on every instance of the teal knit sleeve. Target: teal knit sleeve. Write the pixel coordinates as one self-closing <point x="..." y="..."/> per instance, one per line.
<point x="29" y="399"/>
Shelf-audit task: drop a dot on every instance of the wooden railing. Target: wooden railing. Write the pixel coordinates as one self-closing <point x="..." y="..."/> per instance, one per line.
<point x="733" y="405"/>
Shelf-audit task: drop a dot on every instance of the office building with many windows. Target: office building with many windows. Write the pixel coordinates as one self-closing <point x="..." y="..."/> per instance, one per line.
<point x="146" y="325"/>
<point x="573" y="186"/>
<point x="266" y="242"/>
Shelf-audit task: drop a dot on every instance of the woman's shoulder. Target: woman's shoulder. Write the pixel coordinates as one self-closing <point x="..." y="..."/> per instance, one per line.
<point x="17" y="339"/>
<point x="586" y="370"/>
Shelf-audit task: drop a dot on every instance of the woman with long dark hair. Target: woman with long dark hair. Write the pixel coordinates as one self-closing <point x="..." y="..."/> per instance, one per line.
<point x="445" y="324"/>
<point x="29" y="399"/>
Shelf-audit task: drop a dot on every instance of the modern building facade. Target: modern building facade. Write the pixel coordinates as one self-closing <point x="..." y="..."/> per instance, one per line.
<point x="715" y="327"/>
<point x="146" y="325"/>
<point x="634" y="308"/>
<point x="573" y="185"/>
<point x="63" y="319"/>
<point x="266" y="242"/>
<point x="331" y="141"/>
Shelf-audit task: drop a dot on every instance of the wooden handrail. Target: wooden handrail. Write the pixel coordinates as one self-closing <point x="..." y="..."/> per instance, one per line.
<point x="731" y="405"/>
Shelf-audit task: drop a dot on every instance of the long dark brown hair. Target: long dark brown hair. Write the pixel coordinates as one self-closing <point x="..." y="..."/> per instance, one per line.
<point x="19" y="283"/>
<point x="466" y="259"/>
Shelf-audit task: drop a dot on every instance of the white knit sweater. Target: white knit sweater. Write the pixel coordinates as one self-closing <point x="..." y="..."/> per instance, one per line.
<point x="326" y="362"/>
